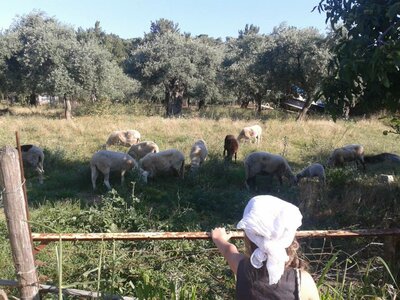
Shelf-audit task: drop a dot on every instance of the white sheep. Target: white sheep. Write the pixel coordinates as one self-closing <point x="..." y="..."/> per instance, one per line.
<point x="33" y="156"/>
<point x="140" y="150"/>
<point x="105" y="161"/>
<point x="266" y="163"/>
<point x="198" y="154"/>
<point x="314" y="170"/>
<point x="125" y="138"/>
<point x="348" y="153"/>
<point x="251" y="133"/>
<point x="163" y="162"/>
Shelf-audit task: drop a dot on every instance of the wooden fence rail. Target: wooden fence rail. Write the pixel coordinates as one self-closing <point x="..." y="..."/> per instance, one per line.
<point x="140" y="236"/>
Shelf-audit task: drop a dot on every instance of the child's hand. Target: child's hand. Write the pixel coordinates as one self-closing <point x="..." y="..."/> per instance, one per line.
<point x="220" y="234"/>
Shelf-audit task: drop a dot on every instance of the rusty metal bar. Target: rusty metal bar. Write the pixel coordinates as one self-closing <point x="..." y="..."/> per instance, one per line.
<point x="140" y="236"/>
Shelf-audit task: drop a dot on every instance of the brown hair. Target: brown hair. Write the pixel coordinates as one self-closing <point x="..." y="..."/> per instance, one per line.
<point x="292" y="251"/>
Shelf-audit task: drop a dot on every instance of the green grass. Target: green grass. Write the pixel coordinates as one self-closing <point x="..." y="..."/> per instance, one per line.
<point x="213" y="197"/>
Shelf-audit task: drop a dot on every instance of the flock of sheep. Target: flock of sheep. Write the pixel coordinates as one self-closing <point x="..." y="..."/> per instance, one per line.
<point x="147" y="158"/>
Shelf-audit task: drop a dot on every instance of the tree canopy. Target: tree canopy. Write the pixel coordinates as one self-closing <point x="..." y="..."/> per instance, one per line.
<point x="177" y="64"/>
<point x="365" y="70"/>
<point x="42" y="56"/>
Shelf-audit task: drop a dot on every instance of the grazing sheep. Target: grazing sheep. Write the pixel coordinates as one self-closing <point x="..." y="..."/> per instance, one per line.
<point x="140" y="150"/>
<point x="198" y="154"/>
<point x="33" y="156"/>
<point x="231" y="147"/>
<point x="266" y="163"/>
<point x="105" y="161"/>
<point x="125" y="138"/>
<point x="382" y="157"/>
<point x="163" y="162"/>
<point x="250" y="133"/>
<point x="314" y="170"/>
<point x="348" y="153"/>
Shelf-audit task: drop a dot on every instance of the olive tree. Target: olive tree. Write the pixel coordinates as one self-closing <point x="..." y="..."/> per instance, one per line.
<point x="45" y="57"/>
<point x="239" y="66"/>
<point x="298" y="57"/>
<point x="176" y="64"/>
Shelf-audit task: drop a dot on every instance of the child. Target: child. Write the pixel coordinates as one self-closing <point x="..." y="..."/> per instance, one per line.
<point x="271" y="269"/>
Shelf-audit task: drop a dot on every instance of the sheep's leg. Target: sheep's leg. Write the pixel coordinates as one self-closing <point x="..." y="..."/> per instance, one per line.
<point x="250" y="182"/>
<point x="123" y="176"/>
<point x="321" y="179"/>
<point x="107" y="178"/>
<point x="95" y="173"/>
<point x="40" y="172"/>
<point x="361" y="159"/>
<point x="235" y="156"/>
<point x="280" y="179"/>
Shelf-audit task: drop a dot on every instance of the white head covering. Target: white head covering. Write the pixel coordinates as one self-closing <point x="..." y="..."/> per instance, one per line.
<point x="271" y="224"/>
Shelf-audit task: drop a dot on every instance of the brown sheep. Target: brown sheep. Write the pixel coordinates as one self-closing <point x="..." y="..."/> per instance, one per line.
<point x="231" y="147"/>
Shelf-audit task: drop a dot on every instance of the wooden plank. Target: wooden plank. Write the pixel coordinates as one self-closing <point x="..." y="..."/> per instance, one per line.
<point x="17" y="223"/>
<point x="140" y="236"/>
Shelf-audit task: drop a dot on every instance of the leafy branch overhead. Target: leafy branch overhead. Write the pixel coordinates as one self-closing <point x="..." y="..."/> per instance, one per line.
<point x="365" y="69"/>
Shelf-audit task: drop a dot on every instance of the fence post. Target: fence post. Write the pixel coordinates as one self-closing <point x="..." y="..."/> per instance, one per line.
<point x="17" y="223"/>
<point x="392" y="254"/>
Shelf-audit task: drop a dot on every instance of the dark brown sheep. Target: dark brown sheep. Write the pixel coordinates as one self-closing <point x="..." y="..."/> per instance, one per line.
<point x="231" y="147"/>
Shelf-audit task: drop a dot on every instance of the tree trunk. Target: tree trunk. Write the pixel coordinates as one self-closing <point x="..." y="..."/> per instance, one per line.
<point x="201" y="104"/>
<point x="258" y="101"/>
<point x="173" y="97"/>
<point x="67" y="108"/>
<point x="15" y="210"/>
<point x="302" y="115"/>
<point x="33" y="99"/>
<point x="244" y="104"/>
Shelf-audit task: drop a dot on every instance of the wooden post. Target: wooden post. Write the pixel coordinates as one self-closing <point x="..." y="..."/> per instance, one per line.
<point x="392" y="254"/>
<point x="17" y="223"/>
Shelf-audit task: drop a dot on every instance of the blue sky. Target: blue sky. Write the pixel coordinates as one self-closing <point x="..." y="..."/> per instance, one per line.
<point x="131" y="18"/>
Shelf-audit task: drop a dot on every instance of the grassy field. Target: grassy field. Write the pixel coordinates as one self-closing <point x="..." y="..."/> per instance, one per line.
<point x="213" y="197"/>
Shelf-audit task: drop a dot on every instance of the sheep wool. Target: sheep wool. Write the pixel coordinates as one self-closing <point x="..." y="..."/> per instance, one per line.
<point x="314" y="170"/>
<point x="142" y="149"/>
<point x="198" y="154"/>
<point x="125" y="138"/>
<point x="263" y="162"/>
<point x="231" y="147"/>
<point x="348" y="153"/>
<point x="163" y="162"/>
<point x="33" y="157"/>
<point x="251" y="133"/>
<point x="105" y="161"/>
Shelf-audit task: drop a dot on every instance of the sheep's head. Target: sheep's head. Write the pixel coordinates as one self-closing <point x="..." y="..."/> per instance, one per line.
<point x="298" y="177"/>
<point x="144" y="175"/>
<point x="331" y="161"/>
<point x="294" y="180"/>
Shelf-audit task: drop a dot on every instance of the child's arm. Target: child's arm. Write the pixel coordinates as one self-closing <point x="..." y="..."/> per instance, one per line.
<point x="220" y="238"/>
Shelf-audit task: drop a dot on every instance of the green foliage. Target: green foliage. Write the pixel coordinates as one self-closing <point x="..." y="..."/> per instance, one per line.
<point x="395" y="124"/>
<point x="173" y="64"/>
<point x="365" y="68"/>
<point x="43" y="56"/>
<point x="377" y="281"/>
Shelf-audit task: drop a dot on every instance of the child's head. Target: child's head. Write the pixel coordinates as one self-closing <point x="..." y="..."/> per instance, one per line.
<point x="270" y="225"/>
